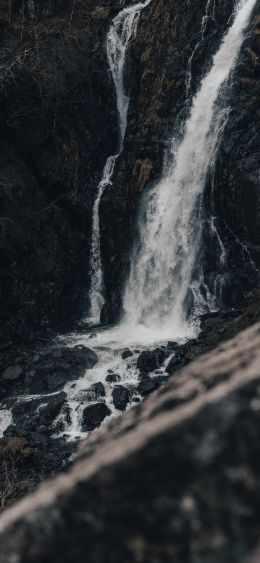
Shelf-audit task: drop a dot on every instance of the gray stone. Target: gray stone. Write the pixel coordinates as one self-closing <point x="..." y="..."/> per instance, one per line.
<point x="12" y="373"/>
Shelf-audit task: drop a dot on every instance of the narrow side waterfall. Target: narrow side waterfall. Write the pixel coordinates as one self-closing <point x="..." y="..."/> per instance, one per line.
<point x="170" y="219"/>
<point x="123" y="28"/>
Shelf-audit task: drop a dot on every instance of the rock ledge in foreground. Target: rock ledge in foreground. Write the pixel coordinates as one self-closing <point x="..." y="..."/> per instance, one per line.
<point x="175" y="479"/>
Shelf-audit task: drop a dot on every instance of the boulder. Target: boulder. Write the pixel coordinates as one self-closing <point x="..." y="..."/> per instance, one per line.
<point x="12" y="373"/>
<point x="85" y="357"/>
<point x="149" y="360"/>
<point x="121" y="397"/>
<point x="50" y="410"/>
<point x="183" y="355"/>
<point x="126" y="354"/>
<point x="113" y="378"/>
<point x="147" y="386"/>
<point x="93" y="416"/>
<point x="54" y="367"/>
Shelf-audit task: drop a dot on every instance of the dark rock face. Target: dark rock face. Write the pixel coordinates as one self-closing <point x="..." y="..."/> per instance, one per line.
<point x="236" y="183"/>
<point x="158" y="92"/>
<point x="93" y="416"/>
<point x="121" y="397"/>
<point x="58" y="123"/>
<point x="149" y="471"/>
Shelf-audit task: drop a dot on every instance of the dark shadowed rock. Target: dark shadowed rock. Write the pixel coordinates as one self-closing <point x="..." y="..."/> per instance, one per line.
<point x="149" y="360"/>
<point x="56" y="366"/>
<point x="54" y="404"/>
<point x="147" y="386"/>
<point x="126" y="354"/>
<point x="12" y="373"/>
<point x="93" y="416"/>
<point x="113" y="378"/>
<point x="183" y="355"/>
<point x="85" y="356"/>
<point x="95" y="392"/>
<point x="121" y="397"/>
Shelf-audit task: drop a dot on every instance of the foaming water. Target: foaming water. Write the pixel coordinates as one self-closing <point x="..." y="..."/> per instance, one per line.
<point x="170" y="219"/>
<point x="109" y="344"/>
<point x="5" y="420"/>
<point x="122" y="30"/>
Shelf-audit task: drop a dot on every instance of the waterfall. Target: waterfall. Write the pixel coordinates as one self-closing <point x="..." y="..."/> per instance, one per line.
<point x="123" y="28"/>
<point x="170" y="218"/>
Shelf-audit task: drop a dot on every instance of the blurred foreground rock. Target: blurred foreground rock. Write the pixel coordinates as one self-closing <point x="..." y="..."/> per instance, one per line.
<point x="176" y="479"/>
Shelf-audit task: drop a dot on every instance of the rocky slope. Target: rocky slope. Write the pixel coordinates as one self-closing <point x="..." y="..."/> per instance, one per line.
<point x="174" y="479"/>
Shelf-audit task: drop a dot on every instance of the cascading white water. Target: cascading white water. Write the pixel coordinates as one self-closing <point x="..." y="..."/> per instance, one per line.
<point x="170" y="215"/>
<point x="123" y="28"/>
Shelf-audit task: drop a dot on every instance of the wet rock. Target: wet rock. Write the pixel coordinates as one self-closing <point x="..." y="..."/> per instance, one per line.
<point x="54" y="367"/>
<point x="85" y="356"/>
<point x="149" y="360"/>
<point x="53" y="407"/>
<point x="126" y="354"/>
<point x="29" y="407"/>
<point x="184" y="354"/>
<point x="147" y="386"/>
<point x="160" y="379"/>
<point x="12" y="373"/>
<point x="93" y="416"/>
<point x="121" y="397"/>
<point x="172" y="345"/>
<point x="176" y="362"/>
<point x="113" y="378"/>
<point x="29" y="415"/>
<point x="95" y="392"/>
